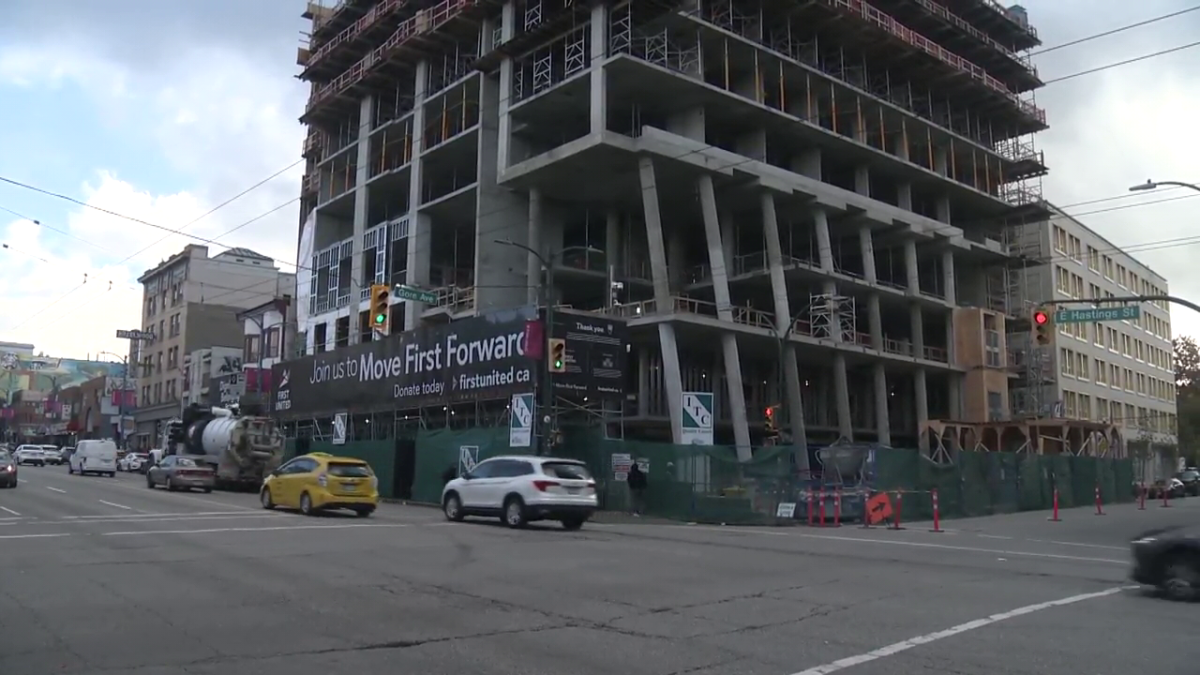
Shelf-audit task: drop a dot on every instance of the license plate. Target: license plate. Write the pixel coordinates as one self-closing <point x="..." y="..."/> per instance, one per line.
<point x="573" y="491"/>
<point x="349" y="488"/>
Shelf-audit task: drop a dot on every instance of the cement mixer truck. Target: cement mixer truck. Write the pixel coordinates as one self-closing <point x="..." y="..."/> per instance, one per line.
<point x="241" y="449"/>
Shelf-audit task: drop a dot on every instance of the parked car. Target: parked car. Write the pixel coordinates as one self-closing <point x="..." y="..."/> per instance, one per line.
<point x="30" y="454"/>
<point x="8" y="470"/>
<point x="178" y="472"/>
<point x="320" y="482"/>
<point x="1173" y="487"/>
<point x="1169" y="559"/>
<point x="1191" y="481"/>
<point x="523" y="489"/>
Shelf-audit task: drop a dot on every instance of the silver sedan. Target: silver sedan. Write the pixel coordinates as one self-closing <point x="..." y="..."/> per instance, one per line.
<point x="176" y="472"/>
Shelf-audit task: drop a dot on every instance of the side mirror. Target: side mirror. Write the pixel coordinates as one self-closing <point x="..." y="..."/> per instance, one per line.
<point x="466" y="476"/>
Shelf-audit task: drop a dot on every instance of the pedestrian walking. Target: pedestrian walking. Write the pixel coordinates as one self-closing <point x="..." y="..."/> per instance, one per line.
<point x="637" y="489"/>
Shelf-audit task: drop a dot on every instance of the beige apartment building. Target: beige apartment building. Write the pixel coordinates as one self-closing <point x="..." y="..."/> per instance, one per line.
<point x="191" y="302"/>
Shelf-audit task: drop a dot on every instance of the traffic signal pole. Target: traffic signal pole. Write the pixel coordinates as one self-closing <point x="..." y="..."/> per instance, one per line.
<point x="1126" y="298"/>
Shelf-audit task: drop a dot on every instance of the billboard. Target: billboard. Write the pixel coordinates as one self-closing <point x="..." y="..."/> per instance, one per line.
<point x="596" y="356"/>
<point x="479" y="358"/>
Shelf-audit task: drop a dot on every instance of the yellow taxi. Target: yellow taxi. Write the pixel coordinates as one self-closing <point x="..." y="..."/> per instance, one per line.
<point x="320" y="481"/>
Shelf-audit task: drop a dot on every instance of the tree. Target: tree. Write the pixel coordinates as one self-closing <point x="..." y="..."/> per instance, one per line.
<point x="1187" y="394"/>
<point x="1187" y="363"/>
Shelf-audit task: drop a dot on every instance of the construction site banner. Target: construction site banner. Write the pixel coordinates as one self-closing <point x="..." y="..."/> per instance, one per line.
<point x="477" y="358"/>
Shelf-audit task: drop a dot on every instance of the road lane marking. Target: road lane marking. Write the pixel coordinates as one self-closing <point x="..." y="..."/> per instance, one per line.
<point x="115" y="505"/>
<point x="56" y="489"/>
<point x="905" y="645"/>
<point x="34" y="536"/>
<point x="912" y="544"/>
<point x="193" y="498"/>
<point x="8" y="510"/>
<point x="189" y="514"/>
<point x="134" y="533"/>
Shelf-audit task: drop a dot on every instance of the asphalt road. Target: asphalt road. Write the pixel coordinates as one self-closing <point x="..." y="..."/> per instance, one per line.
<point x="102" y="576"/>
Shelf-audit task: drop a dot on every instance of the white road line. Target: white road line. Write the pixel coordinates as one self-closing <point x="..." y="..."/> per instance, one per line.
<point x="175" y="519"/>
<point x="8" y="510"/>
<point x="913" y="544"/>
<point x="33" y="536"/>
<point x="56" y="490"/>
<point x="134" y="533"/>
<point x="193" y="498"/>
<point x="191" y="514"/>
<point x="993" y="536"/>
<point x="115" y="506"/>
<point x="905" y="645"/>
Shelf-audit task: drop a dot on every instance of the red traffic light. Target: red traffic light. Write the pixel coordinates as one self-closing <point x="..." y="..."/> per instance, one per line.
<point x="770" y="412"/>
<point x="1040" y="318"/>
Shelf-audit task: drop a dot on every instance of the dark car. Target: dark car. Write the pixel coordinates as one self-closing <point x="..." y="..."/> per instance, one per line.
<point x="8" y="470"/>
<point x="1191" y="481"/>
<point x="1169" y="559"/>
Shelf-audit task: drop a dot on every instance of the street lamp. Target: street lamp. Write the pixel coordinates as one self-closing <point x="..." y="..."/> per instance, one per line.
<point x="121" y="399"/>
<point x="545" y="288"/>
<point x="1153" y="184"/>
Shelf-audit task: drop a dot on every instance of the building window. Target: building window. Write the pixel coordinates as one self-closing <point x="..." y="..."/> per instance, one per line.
<point x="995" y="406"/>
<point x="992" y="348"/>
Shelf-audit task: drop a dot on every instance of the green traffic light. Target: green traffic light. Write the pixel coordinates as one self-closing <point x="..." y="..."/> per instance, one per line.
<point x="558" y="364"/>
<point x="379" y="318"/>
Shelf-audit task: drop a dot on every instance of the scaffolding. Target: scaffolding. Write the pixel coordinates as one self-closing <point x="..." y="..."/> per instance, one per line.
<point x="833" y="317"/>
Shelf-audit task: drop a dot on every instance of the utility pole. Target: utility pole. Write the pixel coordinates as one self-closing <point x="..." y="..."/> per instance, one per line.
<point x="121" y="396"/>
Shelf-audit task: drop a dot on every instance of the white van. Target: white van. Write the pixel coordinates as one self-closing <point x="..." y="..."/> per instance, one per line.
<point x="94" y="456"/>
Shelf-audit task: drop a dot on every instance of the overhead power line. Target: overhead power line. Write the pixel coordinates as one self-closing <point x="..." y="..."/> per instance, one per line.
<point x="1114" y="31"/>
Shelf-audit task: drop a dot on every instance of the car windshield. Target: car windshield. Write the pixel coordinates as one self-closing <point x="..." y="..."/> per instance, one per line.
<point x="185" y="462"/>
<point x="566" y="470"/>
<point x="349" y="470"/>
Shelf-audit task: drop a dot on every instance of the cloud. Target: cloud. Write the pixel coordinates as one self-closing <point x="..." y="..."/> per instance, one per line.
<point x="220" y="104"/>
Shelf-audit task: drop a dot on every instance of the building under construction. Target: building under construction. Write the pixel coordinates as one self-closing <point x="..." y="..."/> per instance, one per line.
<point x="800" y="207"/>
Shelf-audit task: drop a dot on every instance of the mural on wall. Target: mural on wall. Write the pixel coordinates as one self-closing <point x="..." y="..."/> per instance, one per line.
<point x="27" y="372"/>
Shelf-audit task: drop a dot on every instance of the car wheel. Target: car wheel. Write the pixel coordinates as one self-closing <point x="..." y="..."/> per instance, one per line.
<point x="452" y="508"/>
<point x="265" y="499"/>
<point x="364" y="513"/>
<point x="306" y="506"/>
<point x="572" y="524"/>
<point x="207" y="491"/>
<point x="1181" y="578"/>
<point x="149" y="482"/>
<point x="514" y="512"/>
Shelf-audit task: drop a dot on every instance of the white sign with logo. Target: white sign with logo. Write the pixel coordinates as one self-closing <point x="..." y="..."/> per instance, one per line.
<point x="339" y="429"/>
<point x="697" y="418"/>
<point x="520" y="423"/>
<point x="468" y="457"/>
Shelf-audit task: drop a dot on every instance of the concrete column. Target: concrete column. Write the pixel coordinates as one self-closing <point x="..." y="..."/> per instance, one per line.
<point x="533" y="266"/>
<point x="941" y="161"/>
<point x="866" y="242"/>
<point x="862" y="180"/>
<point x="613" y="257"/>
<point x="883" y="425"/>
<point x="729" y="237"/>
<point x="948" y="278"/>
<point x="922" y="407"/>
<point x="362" y="172"/>
<point x="904" y="196"/>
<point x="643" y="382"/>
<point x="875" y="321"/>
<point x="824" y="243"/>
<point x="729" y="346"/>
<point x="783" y="314"/>
<point x="900" y="146"/>
<point x="841" y="390"/>
<point x="956" y="396"/>
<point x="917" y="318"/>
<point x="942" y="209"/>
<point x="911" y="270"/>
<point x="598" y="106"/>
<point x="672" y="379"/>
<point x="654" y="234"/>
<point x="420" y="241"/>
<point x="508" y="18"/>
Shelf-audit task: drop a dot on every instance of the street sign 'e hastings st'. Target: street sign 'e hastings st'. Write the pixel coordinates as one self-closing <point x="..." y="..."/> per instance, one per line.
<point x="474" y="359"/>
<point x="1098" y="314"/>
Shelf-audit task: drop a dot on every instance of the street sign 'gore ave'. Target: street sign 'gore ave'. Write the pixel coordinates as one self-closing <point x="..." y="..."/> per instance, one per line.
<point x="415" y="294"/>
<point x="1097" y="314"/>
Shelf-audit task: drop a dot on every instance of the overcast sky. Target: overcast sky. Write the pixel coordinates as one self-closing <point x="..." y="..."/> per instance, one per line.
<point x="162" y="110"/>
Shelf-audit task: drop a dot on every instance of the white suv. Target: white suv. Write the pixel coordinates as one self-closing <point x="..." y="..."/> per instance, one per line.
<point x="523" y="489"/>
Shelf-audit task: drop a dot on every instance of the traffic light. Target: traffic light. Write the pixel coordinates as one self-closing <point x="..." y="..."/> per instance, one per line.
<point x="556" y="356"/>
<point x="381" y="296"/>
<point x="1043" y="327"/>
<point x="771" y="424"/>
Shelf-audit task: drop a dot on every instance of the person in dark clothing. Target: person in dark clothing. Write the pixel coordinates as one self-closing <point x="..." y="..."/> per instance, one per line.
<point x="449" y="474"/>
<point x="637" y="489"/>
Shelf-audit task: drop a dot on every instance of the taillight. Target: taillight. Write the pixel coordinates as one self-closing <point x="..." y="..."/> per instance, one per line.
<point x="542" y="485"/>
<point x="322" y="480"/>
<point x="591" y="484"/>
<point x="374" y="482"/>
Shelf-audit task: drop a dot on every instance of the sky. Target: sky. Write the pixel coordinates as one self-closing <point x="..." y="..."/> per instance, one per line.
<point x="164" y="110"/>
